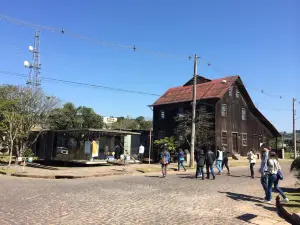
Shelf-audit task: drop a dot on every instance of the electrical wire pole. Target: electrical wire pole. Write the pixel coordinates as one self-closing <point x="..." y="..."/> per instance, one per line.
<point x="294" y="129"/>
<point x="193" y="136"/>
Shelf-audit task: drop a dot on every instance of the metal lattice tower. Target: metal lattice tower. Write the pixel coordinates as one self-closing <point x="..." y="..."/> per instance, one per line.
<point x="35" y="66"/>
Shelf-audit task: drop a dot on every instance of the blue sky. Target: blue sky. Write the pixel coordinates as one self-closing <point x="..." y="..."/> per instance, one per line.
<point x="256" y="39"/>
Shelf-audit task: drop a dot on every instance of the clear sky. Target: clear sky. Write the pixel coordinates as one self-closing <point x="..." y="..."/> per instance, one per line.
<point x="259" y="40"/>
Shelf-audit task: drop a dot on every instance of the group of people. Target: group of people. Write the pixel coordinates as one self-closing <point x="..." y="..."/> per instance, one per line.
<point x="203" y="157"/>
<point x="270" y="169"/>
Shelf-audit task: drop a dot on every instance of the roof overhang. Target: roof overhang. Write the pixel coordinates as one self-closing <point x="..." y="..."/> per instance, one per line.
<point x="106" y="131"/>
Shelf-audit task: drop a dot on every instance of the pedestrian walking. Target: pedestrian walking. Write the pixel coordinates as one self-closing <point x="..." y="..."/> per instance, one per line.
<point x="181" y="159"/>
<point x="274" y="171"/>
<point x="165" y="159"/>
<point x="209" y="161"/>
<point x="117" y="152"/>
<point x="252" y="161"/>
<point x="141" y="153"/>
<point x="200" y="159"/>
<point x="225" y="159"/>
<point x="219" y="160"/>
<point x="263" y="170"/>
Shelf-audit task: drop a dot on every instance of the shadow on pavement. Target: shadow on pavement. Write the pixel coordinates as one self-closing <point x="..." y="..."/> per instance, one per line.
<point x="270" y="208"/>
<point x="249" y="177"/>
<point x="242" y="197"/>
<point x="188" y="177"/>
<point x="246" y="217"/>
<point x="156" y="176"/>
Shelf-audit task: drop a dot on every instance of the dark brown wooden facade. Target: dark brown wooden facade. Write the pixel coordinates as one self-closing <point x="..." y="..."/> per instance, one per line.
<point x="239" y="126"/>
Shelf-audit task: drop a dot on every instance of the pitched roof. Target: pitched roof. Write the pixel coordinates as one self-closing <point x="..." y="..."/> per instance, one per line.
<point x="212" y="89"/>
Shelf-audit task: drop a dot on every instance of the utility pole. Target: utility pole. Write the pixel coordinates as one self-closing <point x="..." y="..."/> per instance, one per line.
<point x="150" y="146"/>
<point x="193" y="138"/>
<point x="34" y="66"/>
<point x="294" y="129"/>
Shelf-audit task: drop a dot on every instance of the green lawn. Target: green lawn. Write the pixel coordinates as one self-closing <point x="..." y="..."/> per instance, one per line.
<point x="293" y="206"/>
<point x="5" y="170"/>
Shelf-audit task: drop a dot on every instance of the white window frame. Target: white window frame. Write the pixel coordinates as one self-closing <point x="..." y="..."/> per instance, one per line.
<point x="224" y="106"/>
<point x="244" y="139"/>
<point x="162" y="114"/>
<point x="230" y="91"/>
<point x="237" y="93"/>
<point x="244" y="114"/>
<point x="223" y="143"/>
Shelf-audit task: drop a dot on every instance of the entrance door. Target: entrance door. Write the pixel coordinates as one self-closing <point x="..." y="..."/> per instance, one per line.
<point x="256" y="142"/>
<point x="235" y="148"/>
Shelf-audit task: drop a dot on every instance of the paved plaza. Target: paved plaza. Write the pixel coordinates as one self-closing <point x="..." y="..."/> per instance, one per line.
<point x="139" y="199"/>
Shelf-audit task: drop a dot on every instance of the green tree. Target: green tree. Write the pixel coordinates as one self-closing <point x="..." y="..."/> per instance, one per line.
<point x="70" y="117"/>
<point x="23" y="110"/>
<point x="169" y="141"/>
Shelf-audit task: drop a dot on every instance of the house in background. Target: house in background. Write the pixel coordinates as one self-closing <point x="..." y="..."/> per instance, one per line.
<point x="238" y="124"/>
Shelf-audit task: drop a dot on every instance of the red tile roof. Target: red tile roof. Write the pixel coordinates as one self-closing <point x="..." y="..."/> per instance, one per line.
<point x="213" y="89"/>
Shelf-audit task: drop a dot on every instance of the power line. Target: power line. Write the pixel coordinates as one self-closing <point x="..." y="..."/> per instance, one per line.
<point x="65" y="32"/>
<point x="56" y="81"/>
<point x="80" y="84"/>
<point x="134" y="48"/>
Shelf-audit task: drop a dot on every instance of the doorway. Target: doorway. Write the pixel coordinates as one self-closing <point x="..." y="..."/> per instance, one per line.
<point x="235" y="147"/>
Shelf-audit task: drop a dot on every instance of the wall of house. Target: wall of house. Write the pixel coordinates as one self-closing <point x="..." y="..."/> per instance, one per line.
<point x="236" y="128"/>
<point x="164" y="127"/>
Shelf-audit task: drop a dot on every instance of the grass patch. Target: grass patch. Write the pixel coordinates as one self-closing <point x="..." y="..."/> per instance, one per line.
<point x="5" y="170"/>
<point x="293" y="206"/>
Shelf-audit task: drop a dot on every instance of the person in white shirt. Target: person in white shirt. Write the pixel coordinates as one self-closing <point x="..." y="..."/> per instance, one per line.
<point x="141" y="153"/>
<point x="219" y="160"/>
<point x="273" y="168"/>
<point x="252" y="161"/>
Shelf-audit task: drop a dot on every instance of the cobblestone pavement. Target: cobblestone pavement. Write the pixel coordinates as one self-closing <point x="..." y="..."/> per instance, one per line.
<point x="140" y="199"/>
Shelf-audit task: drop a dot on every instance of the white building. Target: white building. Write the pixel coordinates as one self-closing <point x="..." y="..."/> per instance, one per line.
<point x="109" y="120"/>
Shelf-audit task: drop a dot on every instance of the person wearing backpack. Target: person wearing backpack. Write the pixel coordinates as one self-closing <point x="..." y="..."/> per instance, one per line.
<point x="164" y="161"/>
<point x="252" y="161"/>
<point x="274" y="173"/>
<point x="209" y="161"/>
<point x="219" y="160"/>
<point x="200" y="159"/>
<point x="181" y="159"/>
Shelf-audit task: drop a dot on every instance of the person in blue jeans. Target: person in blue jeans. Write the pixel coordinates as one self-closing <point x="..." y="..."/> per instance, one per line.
<point x="165" y="160"/>
<point x="219" y="160"/>
<point x="200" y="159"/>
<point x="181" y="160"/>
<point x="209" y="161"/>
<point x="273" y="167"/>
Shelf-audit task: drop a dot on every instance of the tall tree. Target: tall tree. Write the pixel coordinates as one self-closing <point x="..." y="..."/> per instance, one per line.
<point x="23" y="110"/>
<point x="204" y="128"/>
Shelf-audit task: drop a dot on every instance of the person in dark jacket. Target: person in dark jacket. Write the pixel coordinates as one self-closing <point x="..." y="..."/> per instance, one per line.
<point x="200" y="159"/>
<point x="181" y="159"/>
<point x="225" y="159"/>
<point x="209" y="161"/>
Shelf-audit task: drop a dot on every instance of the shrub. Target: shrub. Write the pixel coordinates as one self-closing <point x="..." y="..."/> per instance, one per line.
<point x="295" y="167"/>
<point x="28" y="153"/>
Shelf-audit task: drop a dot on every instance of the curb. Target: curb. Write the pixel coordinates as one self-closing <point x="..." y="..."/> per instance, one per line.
<point x="293" y="218"/>
<point x="67" y="176"/>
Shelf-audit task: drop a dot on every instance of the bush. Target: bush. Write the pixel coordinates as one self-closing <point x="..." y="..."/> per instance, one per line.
<point x="28" y="153"/>
<point x="295" y="167"/>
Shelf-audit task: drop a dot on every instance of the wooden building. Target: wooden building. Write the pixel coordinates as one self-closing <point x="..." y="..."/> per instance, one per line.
<point x="238" y="124"/>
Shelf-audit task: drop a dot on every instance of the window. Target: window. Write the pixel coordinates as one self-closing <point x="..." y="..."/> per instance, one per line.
<point x="202" y="108"/>
<point x="230" y="90"/>
<point x="224" y="110"/>
<point x="180" y="112"/>
<point x="161" y="134"/>
<point x="244" y="114"/>
<point x="237" y="93"/>
<point x="244" y="139"/>
<point x="180" y="138"/>
<point x="162" y="114"/>
<point x="224" y="138"/>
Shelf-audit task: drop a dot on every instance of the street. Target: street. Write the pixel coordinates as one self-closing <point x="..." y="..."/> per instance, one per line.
<point x="140" y="199"/>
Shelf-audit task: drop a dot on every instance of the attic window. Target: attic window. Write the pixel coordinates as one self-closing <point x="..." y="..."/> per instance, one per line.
<point x="237" y="93"/>
<point x="244" y="114"/>
<point x="230" y="90"/>
<point x="162" y="114"/>
<point x="224" y="110"/>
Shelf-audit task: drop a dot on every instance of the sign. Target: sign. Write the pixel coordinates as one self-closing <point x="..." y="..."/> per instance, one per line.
<point x="95" y="149"/>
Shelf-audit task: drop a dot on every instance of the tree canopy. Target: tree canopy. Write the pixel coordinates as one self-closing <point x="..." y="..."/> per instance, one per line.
<point x="70" y="117"/>
<point x="139" y="123"/>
